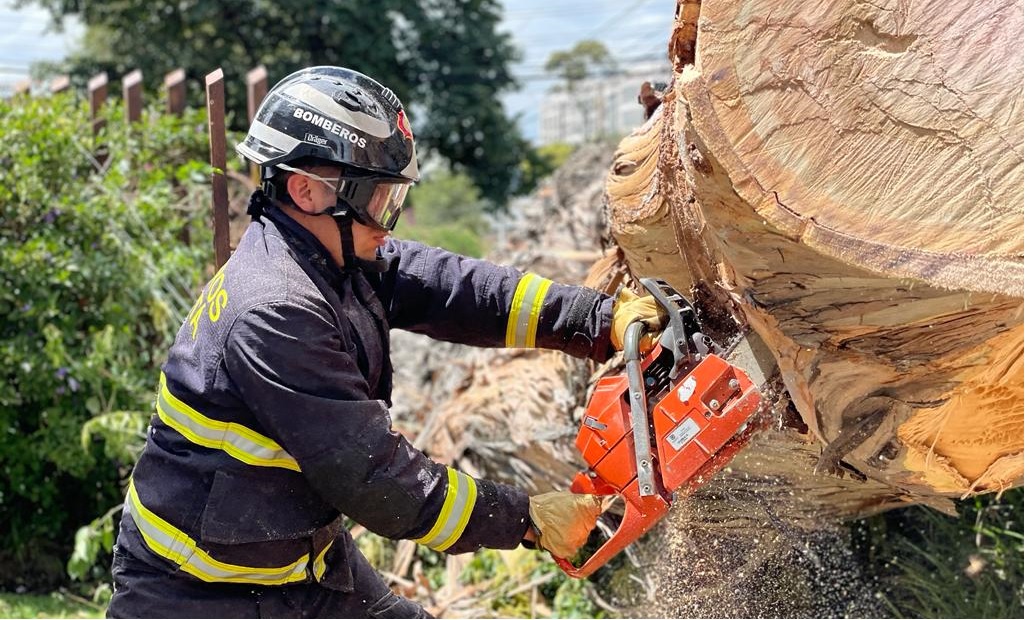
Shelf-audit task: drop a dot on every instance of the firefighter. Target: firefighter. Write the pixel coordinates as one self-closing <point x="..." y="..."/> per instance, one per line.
<point x="272" y="417"/>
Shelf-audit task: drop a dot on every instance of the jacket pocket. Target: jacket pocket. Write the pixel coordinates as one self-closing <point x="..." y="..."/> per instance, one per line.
<point x="258" y="506"/>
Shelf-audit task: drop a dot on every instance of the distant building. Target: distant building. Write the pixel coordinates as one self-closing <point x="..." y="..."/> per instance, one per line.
<point x="601" y="106"/>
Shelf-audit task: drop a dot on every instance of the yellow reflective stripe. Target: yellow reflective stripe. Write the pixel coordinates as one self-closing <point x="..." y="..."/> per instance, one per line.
<point x="319" y="562"/>
<point x="238" y="441"/>
<point x="461" y="493"/>
<point x="537" y="306"/>
<point x="515" y="308"/>
<point x="168" y="542"/>
<point x="463" y="516"/>
<point x="523" y="320"/>
<point x="451" y="496"/>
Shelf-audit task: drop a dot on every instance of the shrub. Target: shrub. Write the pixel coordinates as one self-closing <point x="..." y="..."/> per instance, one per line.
<point x="93" y="285"/>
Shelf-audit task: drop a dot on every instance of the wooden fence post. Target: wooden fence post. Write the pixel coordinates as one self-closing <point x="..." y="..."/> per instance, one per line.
<point x="175" y="83"/>
<point x="256" y="89"/>
<point x="219" y="187"/>
<point x="132" y="91"/>
<point x="23" y="88"/>
<point x="97" y="95"/>
<point x="60" y="84"/>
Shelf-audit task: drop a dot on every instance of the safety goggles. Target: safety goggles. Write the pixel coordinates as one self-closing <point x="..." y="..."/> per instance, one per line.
<point x="375" y="201"/>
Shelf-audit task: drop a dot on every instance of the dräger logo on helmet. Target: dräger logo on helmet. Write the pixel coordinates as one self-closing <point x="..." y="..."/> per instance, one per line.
<point x="313" y="139"/>
<point x="329" y="125"/>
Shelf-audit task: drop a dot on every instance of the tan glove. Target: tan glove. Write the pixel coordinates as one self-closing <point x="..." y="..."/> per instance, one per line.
<point x="629" y="307"/>
<point x="564" y="520"/>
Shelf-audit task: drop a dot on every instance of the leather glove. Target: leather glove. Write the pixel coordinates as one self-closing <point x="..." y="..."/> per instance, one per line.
<point x="564" y="520"/>
<point x="629" y="307"/>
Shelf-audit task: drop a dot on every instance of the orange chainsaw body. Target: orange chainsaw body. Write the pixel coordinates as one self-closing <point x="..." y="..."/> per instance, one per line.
<point x="697" y="421"/>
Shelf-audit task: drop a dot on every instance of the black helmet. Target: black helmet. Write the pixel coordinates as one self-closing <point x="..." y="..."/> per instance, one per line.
<point x="334" y="114"/>
<point x="338" y="116"/>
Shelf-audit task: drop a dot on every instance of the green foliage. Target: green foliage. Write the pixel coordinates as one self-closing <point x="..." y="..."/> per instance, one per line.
<point x="510" y="574"/>
<point x="91" y="542"/>
<point x="937" y="566"/>
<point x="445" y="59"/>
<point x="543" y="161"/>
<point x="556" y="154"/>
<point x="54" y="605"/>
<point x="123" y="434"/>
<point x="93" y="282"/>
<point x="446" y="210"/>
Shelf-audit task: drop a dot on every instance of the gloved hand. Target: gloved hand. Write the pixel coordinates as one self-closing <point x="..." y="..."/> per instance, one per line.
<point x="629" y="307"/>
<point x="564" y="520"/>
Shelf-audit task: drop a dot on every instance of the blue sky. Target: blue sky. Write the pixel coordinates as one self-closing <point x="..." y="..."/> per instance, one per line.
<point x="631" y="29"/>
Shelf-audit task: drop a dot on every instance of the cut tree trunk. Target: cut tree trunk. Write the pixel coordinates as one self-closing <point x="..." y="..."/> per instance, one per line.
<point x="849" y="178"/>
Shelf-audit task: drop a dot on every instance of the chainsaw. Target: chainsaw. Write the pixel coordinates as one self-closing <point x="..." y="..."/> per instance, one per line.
<point x="668" y="422"/>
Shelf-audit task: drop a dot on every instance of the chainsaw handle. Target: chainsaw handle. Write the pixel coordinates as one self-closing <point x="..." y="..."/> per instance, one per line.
<point x="687" y="341"/>
<point x="633" y="335"/>
<point x="639" y="409"/>
<point x="674" y="304"/>
<point x="634" y="524"/>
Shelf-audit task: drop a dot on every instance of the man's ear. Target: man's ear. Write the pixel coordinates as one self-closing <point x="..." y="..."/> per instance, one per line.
<point x="299" y="188"/>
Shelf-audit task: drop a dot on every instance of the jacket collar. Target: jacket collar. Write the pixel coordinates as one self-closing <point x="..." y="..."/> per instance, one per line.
<point x="303" y="243"/>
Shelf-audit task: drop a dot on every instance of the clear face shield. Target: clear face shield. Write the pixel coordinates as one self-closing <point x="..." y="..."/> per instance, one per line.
<point x="375" y="201"/>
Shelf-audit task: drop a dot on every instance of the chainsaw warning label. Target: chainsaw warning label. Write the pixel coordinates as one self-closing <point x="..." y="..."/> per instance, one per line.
<point x="683" y="433"/>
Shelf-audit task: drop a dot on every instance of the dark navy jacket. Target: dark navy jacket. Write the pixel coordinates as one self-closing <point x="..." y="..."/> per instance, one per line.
<point x="272" y="417"/>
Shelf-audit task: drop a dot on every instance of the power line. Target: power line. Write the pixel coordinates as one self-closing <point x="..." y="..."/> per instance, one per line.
<point x="650" y="56"/>
<point x="565" y="8"/>
<point x="616" y="17"/>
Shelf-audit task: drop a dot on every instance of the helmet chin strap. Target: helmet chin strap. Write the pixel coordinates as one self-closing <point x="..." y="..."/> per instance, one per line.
<point x="344" y="222"/>
<point x="351" y="262"/>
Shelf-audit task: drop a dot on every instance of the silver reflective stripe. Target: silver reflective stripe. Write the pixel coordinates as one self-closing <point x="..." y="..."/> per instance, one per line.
<point x="175" y="545"/>
<point x="310" y="97"/>
<point x="273" y="137"/>
<point x="523" y="320"/>
<point x="461" y="492"/>
<point x="236" y="440"/>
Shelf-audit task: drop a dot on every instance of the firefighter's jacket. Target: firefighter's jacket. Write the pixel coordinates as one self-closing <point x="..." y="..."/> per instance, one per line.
<point x="271" y="413"/>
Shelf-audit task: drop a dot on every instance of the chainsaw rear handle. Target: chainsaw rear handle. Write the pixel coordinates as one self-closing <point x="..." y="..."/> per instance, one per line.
<point x="644" y="503"/>
<point x="641" y="513"/>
